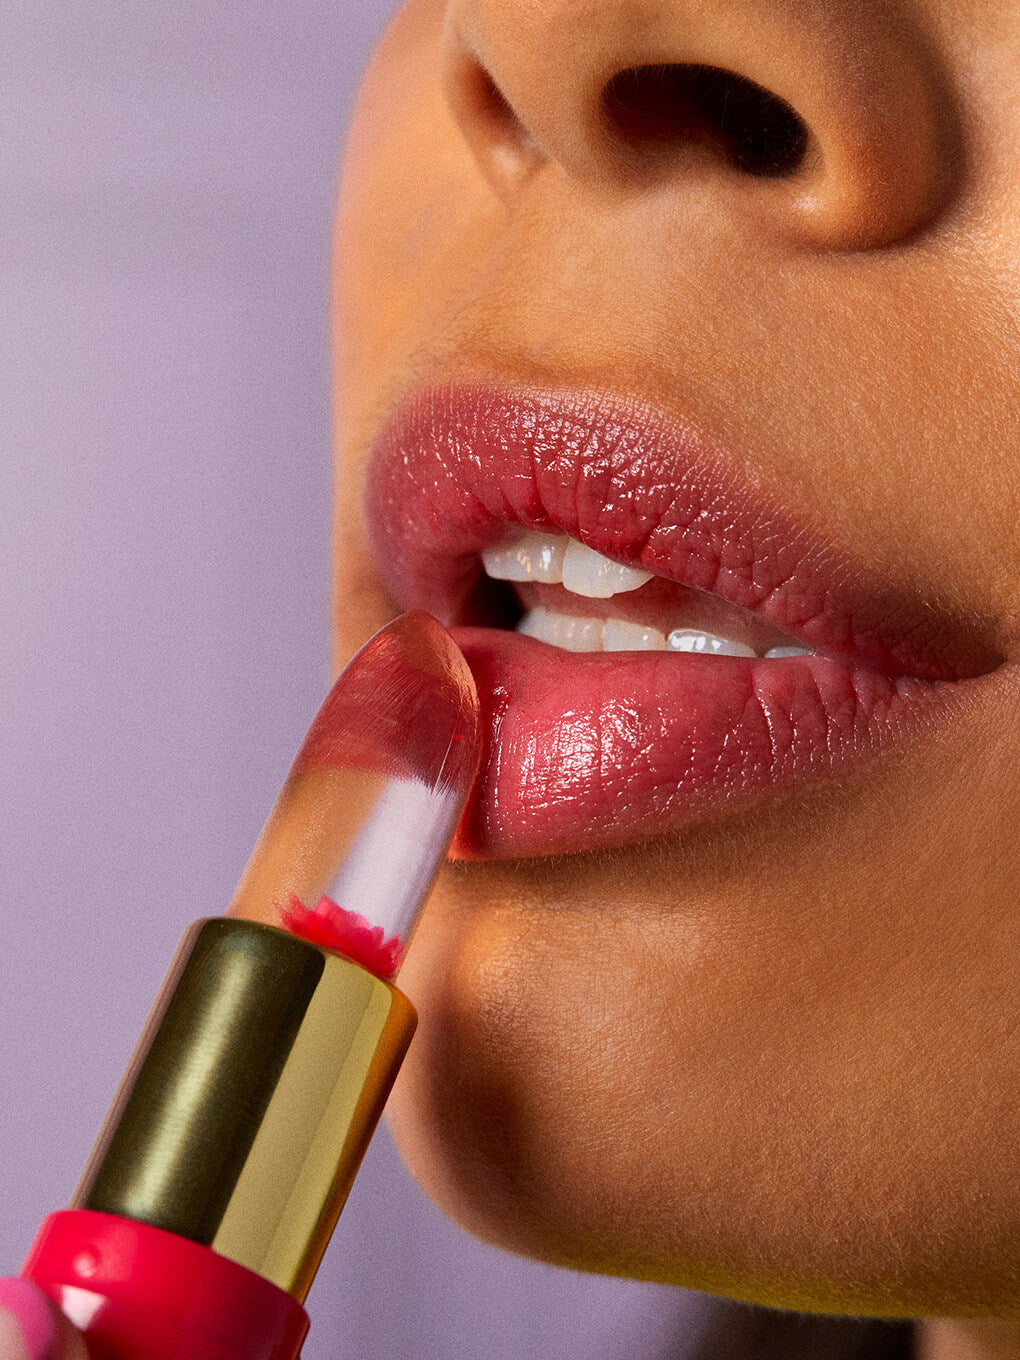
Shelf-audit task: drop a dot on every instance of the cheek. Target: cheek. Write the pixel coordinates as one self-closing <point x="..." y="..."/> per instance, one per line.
<point x="414" y="213"/>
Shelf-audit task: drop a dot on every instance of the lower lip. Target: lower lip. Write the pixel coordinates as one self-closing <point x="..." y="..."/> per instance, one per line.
<point x="594" y="750"/>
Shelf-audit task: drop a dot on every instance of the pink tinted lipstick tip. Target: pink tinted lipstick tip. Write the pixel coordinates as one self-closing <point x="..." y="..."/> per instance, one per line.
<point x="331" y="926"/>
<point x="373" y="799"/>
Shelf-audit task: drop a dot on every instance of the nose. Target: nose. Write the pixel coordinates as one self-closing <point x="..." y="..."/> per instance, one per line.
<point x="827" y="120"/>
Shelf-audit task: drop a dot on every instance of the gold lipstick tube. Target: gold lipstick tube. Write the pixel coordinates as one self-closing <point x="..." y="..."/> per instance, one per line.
<point x="252" y="1095"/>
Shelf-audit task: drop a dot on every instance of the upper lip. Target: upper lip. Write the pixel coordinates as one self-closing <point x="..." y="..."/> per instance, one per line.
<point x="458" y="462"/>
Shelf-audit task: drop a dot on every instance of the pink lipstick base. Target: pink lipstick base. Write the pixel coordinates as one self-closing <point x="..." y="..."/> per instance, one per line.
<point x="134" y="1290"/>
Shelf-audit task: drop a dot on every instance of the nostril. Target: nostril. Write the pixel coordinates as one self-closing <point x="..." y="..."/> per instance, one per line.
<point x="655" y="108"/>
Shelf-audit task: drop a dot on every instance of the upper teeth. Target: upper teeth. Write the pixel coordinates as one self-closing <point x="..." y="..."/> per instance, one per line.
<point x="555" y="559"/>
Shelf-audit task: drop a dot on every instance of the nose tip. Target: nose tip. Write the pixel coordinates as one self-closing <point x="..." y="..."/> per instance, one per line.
<point x="829" y="124"/>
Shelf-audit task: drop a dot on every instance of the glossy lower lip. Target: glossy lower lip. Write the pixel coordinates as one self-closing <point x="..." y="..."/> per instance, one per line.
<point x="590" y="750"/>
<point x="598" y="749"/>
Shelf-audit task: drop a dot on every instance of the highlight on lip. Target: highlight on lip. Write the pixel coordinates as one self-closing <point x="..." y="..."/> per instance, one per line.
<point x="654" y="641"/>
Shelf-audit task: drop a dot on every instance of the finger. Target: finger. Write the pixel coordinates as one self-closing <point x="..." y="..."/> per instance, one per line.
<point x="32" y="1327"/>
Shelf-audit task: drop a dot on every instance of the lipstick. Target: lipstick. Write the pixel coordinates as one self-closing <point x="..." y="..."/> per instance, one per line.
<point x="234" y="1139"/>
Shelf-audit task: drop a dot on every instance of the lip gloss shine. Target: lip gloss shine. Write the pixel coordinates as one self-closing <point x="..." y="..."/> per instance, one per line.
<point x="240" y="1124"/>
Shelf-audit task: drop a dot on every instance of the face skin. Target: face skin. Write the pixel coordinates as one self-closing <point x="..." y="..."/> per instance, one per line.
<point x="772" y="1056"/>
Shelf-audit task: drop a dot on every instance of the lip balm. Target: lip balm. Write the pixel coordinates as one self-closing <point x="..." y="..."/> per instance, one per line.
<point x="240" y="1124"/>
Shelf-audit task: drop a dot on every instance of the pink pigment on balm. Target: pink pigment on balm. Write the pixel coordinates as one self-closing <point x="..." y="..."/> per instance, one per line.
<point x="346" y="932"/>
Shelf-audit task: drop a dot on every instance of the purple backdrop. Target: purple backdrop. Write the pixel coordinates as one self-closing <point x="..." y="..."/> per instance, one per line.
<point x="168" y="174"/>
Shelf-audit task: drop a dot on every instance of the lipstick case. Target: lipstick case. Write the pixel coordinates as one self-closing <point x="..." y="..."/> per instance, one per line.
<point x="239" y="1126"/>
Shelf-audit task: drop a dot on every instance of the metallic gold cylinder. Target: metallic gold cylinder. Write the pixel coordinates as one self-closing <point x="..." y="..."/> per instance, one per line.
<point x="251" y="1098"/>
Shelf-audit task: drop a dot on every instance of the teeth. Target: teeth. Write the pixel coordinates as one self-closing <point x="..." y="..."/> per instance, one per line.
<point x="588" y="573"/>
<point x="689" y="640"/>
<point x="529" y="557"/>
<point x="562" y="630"/>
<point x="554" y="559"/>
<point x="619" y="636"/>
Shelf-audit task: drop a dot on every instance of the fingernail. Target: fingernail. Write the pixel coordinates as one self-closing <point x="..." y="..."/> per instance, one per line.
<point x="34" y="1315"/>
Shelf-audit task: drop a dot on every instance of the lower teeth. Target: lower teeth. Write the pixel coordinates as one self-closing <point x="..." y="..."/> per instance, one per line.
<point x="781" y="653"/>
<point x="616" y="635"/>
<point x="561" y="630"/>
<point x="688" y="640"/>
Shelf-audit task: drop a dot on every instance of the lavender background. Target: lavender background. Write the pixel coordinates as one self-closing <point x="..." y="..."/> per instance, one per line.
<point x="167" y="179"/>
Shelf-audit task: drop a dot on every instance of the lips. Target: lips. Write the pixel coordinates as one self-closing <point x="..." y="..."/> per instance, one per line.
<point x="596" y="749"/>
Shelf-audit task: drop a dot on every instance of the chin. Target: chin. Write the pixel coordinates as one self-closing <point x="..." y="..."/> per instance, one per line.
<point x="562" y="1103"/>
